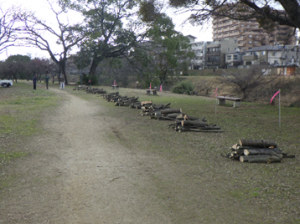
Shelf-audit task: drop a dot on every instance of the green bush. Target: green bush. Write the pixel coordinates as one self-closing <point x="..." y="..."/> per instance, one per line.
<point x="183" y="87"/>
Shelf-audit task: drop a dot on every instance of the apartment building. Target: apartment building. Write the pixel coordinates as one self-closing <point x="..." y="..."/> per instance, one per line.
<point x="199" y="48"/>
<point x="248" y="33"/>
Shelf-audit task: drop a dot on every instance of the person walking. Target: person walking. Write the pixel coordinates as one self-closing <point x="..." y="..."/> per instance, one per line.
<point x="62" y="82"/>
<point x="47" y="80"/>
<point x="34" y="82"/>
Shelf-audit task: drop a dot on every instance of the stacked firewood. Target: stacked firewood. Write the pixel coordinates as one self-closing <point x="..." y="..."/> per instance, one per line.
<point x="257" y="151"/>
<point x="189" y="123"/>
<point x="111" y="97"/>
<point x="153" y="110"/>
<point x="126" y="101"/>
<point x="95" y="90"/>
<point x="169" y="114"/>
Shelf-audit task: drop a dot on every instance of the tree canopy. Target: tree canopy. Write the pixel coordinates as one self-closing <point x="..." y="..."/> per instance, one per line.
<point x="107" y="36"/>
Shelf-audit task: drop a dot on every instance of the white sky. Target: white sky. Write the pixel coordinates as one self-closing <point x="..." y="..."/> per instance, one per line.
<point x="42" y="9"/>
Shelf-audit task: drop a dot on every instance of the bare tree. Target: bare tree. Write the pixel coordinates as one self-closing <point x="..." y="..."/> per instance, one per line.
<point x="38" y="33"/>
<point x="245" y="82"/>
<point x="8" y="34"/>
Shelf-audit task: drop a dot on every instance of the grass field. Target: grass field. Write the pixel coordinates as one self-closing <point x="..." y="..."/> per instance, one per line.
<point x="267" y="193"/>
<point x="204" y="182"/>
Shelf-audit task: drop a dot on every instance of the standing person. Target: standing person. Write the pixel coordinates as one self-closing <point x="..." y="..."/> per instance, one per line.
<point x="62" y="82"/>
<point x="34" y="82"/>
<point x="90" y="82"/>
<point x="47" y="80"/>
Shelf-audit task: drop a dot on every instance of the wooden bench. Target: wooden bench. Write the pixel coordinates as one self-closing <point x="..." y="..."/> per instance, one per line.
<point x="151" y="91"/>
<point x="236" y="101"/>
<point x="115" y="86"/>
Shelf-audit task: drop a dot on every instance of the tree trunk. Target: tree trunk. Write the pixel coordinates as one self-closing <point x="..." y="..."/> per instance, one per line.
<point x="262" y="151"/>
<point x="257" y="143"/>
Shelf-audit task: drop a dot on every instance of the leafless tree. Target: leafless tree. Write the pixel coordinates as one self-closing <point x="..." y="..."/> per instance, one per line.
<point x="245" y="82"/>
<point x="39" y="33"/>
<point x="8" y="35"/>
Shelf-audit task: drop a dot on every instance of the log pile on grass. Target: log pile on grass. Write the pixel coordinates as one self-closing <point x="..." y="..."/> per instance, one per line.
<point x="111" y="97"/>
<point x="195" y="125"/>
<point x="183" y="122"/>
<point x="257" y="151"/>
<point x="95" y="90"/>
<point x="127" y="101"/>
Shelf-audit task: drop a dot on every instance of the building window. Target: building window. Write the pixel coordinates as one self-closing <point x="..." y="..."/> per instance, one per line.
<point x="263" y="53"/>
<point x="228" y="57"/>
<point x="235" y="57"/>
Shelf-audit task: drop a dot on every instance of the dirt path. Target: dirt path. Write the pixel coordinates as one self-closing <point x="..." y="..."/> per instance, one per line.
<point x="81" y="174"/>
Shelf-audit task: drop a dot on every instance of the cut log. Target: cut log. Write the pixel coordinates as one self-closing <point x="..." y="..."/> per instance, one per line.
<point x="264" y="158"/>
<point x="174" y="115"/>
<point x="261" y="158"/>
<point x="146" y="102"/>
<point x="171" y="111"/>
<point x="257" y="143"/>
<point x="263" y="151"/>
<point x="243" y="159"/>
<point x="193" y="123"/>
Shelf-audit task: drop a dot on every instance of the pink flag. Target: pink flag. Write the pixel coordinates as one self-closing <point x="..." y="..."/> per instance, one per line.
<point x="215" y="93"/>
<point x="274" y="96"/>
<point x="114" y="82"/>
<point x="160" y="88"/>
<point x="150" y="86"/>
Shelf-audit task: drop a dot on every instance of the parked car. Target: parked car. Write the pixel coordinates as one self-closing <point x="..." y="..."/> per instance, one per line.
<point x="6" y="83"/>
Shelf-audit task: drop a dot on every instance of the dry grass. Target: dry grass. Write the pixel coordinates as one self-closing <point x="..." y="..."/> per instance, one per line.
<point x="192" y="181"/>
<point x="196" y="183"/>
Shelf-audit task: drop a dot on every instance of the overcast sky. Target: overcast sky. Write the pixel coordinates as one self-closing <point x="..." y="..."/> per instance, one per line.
<point x="42" y="9"/>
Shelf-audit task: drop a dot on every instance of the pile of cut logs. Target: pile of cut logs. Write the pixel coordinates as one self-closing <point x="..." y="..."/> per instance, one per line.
<point x="188" y="123"/>
<point x="95" y="90"/>
<point x="89" y="89"/>
<point x="111" y="97"/>
<point x="122" y="100"/>
<point x="182" y="123"/>
<point x="257" y="151"/>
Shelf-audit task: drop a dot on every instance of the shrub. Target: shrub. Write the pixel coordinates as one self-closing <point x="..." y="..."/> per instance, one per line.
<point x="183" y="87"/>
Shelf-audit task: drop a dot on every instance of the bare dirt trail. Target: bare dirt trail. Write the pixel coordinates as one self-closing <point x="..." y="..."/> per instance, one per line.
<point x="81" y="174"/>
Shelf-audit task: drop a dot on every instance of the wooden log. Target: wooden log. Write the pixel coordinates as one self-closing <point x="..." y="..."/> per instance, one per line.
<point x="264" y="158"/>
<point x="243" y="159"/>
<point x="261" y="158"/>
<point x="186" y="117"/>
<point x="193" y="123"/>
<point x="146" y="102"/>
<point x="263" y="151"/>
<point x="174" y="115"/>
<point x="257" y="143"/>
<point x="171" y="111"/>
